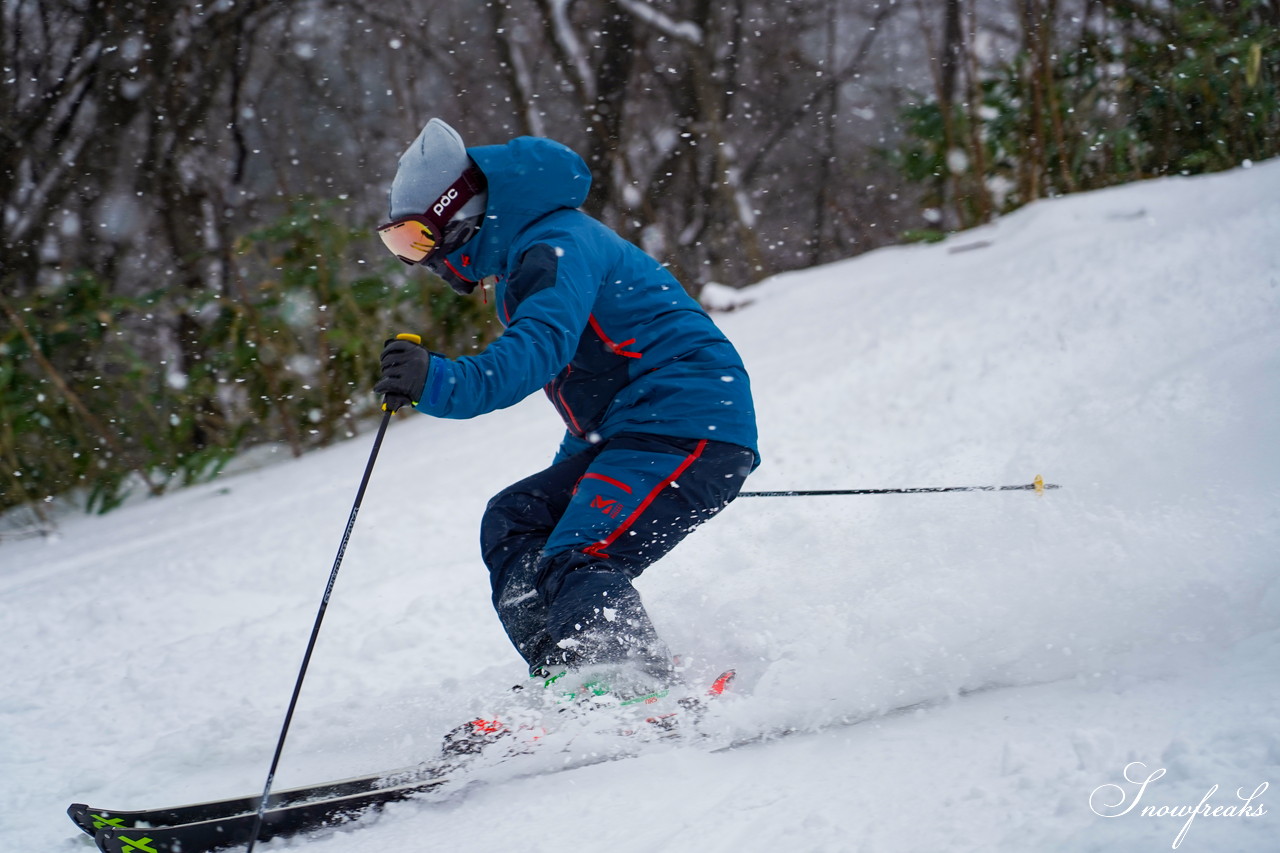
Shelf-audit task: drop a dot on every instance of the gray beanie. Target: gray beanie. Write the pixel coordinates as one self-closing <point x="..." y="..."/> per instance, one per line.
<point x="427" y="168"/>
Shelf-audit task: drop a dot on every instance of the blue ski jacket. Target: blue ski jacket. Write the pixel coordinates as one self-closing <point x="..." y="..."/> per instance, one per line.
<point x="611" y="336"/>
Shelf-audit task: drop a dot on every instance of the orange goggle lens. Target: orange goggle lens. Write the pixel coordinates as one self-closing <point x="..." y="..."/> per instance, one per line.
<point x="409" y="238"/>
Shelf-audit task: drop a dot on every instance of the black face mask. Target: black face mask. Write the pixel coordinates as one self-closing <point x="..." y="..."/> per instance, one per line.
<point x="458" y="232"/>
<point x="456" y="235"/>
<point x="438" y="265"/>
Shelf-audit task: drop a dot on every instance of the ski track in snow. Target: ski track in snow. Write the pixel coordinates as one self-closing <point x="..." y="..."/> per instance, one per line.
<point x="1123" y="343"/>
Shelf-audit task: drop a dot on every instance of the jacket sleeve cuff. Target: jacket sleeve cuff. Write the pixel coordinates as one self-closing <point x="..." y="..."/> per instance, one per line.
<point x="438" y="388"/>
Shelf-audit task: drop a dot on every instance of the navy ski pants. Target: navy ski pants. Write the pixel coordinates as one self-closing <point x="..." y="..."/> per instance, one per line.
<point x="563" y="545"/>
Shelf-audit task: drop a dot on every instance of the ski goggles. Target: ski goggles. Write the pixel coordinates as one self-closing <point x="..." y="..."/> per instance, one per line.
<point x="412" y="238"/>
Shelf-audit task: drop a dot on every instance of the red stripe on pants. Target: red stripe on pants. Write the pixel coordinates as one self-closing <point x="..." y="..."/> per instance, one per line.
<point x="597" y="549"/>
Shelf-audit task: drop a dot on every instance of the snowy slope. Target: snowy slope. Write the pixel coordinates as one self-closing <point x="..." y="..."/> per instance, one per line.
<point x="1125" y="344"/>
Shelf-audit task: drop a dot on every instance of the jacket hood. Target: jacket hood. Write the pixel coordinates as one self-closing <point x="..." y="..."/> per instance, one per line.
<point x="528" y="178"/>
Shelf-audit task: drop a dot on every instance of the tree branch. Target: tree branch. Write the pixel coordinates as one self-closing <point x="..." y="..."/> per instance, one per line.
<point x="823" y="90"/>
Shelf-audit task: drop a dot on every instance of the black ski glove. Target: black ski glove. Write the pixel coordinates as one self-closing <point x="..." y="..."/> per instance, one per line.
<point x="404" y="371"/>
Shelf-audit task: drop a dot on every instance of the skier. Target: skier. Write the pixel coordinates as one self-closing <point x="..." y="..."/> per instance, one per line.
<point x="660" y="423"/>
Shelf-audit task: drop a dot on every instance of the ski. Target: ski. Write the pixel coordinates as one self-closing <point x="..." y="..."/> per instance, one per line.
<point x="235" y="829"/>
<point x="212" y="825"/>
<point x="301" y="816"/>
<point x="91" y="819"/>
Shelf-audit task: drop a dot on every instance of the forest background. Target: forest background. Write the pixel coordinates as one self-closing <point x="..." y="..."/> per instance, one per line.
<point x="187" y="260"/>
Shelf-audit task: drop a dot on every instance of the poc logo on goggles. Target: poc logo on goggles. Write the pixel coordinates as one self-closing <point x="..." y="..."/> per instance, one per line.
<point x="449" y="197"/>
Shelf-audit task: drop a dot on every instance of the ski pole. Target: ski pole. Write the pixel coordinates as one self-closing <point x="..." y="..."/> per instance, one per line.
<point x="1039" y="486"/>
<point x="389" y="407"/>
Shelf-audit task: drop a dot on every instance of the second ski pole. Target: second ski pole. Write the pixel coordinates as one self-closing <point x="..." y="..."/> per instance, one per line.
<point x="1039" y="486"/>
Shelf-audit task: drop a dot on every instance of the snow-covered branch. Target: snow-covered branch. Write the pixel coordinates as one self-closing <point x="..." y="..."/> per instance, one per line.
<point x="573" y="51"/>
<point x="523" y="77"/>
<point x="685" y="31"/>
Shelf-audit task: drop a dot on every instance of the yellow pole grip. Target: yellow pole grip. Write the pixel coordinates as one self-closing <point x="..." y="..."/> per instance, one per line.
<point x="411" y="338"/>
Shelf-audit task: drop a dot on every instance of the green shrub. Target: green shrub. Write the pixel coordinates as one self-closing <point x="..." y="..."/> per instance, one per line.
<point x="1144" y="91"/>
<point x="102" y="395"/>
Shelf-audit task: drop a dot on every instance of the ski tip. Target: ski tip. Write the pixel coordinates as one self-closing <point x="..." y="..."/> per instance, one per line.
<point x="79" y="814"/>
